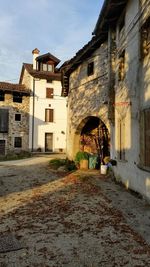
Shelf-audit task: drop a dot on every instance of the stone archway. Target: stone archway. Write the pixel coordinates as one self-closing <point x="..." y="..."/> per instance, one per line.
<point x="92" y="136"/>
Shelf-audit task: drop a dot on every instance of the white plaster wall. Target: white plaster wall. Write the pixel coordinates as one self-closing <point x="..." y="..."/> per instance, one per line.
<point x="58" y="103"/>
<point x="136" y="89"/>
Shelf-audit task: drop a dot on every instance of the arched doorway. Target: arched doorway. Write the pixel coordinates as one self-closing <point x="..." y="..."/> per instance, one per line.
<point x="94" y="137"/>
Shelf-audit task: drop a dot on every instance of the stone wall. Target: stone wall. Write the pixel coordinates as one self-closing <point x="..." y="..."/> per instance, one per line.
<point x="16" y="128"/>
<point x="88" y="96"/>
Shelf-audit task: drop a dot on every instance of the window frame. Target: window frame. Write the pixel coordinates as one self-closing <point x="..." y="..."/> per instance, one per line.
<point x="2" y="95"/>
<point x="46" y="66"/>
<point x="49" y="92"/>
<point x="49" y="115"/>
<point x="90" y="68"/>
<point x="17" y="114"/>
<point x="17" y="143"/>
<point x="17" y="97"/>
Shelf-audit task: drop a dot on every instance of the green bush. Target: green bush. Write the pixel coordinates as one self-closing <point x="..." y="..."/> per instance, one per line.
<point x="56" y="163"/>
<point x="80" y="156"/>
<point x="68" y="164"/>
<point x="16" y="156"/>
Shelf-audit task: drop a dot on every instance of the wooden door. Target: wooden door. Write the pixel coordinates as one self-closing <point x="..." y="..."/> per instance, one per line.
<point x="48" y="142"/>
<point x="2" y="147"/>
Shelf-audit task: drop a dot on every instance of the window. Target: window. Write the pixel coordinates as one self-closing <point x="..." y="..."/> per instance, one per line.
<point x="49" y="92"/>
<point x="90" y="69"/>
<point x="18" y="142"/>
<point x="49" y="115"/>
<point x="46" y="67"/>
<point x="50" y="67"/>
<point x="49" y="81"/>
<point x="2" y="96"/>
<point x="17" y="97"/>
<point x="121" y="139"/>
<point x="121" y="67"/>
<point x="145" y="138"/>
<point x="17" y="117"/>
<point x="3" y="120"/>
<point x="145" y="38"/>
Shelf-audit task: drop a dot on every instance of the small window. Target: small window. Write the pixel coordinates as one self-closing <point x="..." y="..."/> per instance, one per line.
<point x="90" y="69"/>
<point x="49" y="81"/>
<point x="49" y="115"/>
<point x="18" y="142"/>
<point x="44" y="67"/>
<point x="2" y="96"/>
<point x="17" y="117"/>
<point x="17" y="97"/>
<point x="50" y="67"/>
<point x="49" y="92"/>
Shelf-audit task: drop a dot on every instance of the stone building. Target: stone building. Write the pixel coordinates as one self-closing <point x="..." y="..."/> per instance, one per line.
<point x="108" y="88"/>
<point x="87" y="97"/>
<point x="47" y="124"/>
<point x="14" y="118"/>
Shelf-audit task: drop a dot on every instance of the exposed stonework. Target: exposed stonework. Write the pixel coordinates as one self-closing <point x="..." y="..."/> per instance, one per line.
<point x="120" y="98"/>
<point x="16" y="128"/>
<point x="88" y="96"/>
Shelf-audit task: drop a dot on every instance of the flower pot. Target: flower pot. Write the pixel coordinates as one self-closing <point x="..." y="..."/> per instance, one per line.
<point x="84" y="164"/>
<point x="103" y="169"/>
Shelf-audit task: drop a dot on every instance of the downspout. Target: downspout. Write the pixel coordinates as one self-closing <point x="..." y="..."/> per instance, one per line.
<point x="33" y="112"/>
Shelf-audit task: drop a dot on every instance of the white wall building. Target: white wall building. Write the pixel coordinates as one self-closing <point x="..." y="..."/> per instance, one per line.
<point x="47" y="123"/>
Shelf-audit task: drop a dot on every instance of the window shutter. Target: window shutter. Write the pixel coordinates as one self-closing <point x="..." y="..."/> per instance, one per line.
<point x="49" y="92"/>
<point x="51" y="115"/>
<point x="147" y="137"/>
<point x="119" y="138"/>
<point x="4" y="120"/>
<point x="142" y="139"/>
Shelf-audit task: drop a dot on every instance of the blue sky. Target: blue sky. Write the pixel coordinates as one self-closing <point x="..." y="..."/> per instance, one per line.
<point x="60" y="27"/>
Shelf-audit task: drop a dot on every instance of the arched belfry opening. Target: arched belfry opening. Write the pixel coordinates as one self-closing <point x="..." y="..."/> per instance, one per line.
<point x="94" y="137"/>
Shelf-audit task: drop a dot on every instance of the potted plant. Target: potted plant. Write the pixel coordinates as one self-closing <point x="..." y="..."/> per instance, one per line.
<point x="82" y="159"/>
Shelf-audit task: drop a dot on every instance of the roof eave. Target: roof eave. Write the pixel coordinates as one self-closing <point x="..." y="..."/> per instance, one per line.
<point x="105" y="16"/>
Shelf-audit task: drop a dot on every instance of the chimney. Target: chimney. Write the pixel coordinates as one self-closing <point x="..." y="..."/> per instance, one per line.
<point x="35" y="53"/>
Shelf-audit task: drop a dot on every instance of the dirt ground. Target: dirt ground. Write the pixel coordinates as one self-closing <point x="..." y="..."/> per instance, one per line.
<point x="81" y="219"/>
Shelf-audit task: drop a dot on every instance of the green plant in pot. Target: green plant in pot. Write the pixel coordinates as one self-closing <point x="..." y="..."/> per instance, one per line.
<point x="81" y="159"/>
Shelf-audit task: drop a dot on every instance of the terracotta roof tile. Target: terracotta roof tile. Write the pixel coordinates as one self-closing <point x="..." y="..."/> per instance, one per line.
<point x="4" y="86"/>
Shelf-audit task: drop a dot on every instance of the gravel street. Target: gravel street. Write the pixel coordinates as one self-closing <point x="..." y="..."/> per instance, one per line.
<point x="81" y="219"/>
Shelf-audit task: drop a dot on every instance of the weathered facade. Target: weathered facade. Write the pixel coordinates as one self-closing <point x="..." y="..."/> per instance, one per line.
<point x="14" y="118"/>
<point x="47" y="123"/>
<point x="86" y="98"/>
<point x="132" y="98"/>
<point x="117" y="92"/>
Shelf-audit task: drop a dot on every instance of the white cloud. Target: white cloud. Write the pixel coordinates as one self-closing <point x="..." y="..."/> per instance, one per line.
<point x="61" y="27"/>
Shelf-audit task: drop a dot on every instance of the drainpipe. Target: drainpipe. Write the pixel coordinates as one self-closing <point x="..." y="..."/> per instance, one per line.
<point x="33" y="112"/>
